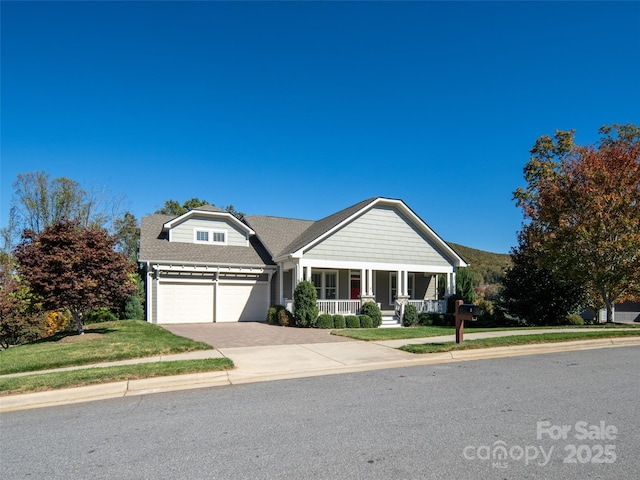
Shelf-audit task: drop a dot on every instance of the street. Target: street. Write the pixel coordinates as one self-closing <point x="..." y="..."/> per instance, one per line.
<point x="566" y="415"/>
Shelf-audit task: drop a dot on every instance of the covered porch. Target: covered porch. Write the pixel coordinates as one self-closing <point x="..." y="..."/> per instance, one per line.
<point x="343" y="289"/>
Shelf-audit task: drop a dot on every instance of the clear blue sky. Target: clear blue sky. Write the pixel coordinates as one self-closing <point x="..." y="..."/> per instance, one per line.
<point x="301" y="109"/>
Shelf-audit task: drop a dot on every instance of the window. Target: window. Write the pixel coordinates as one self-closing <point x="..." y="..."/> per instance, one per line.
<point x="202" y="236"/>
<point x="215" y="237"/>
<point x="326" y="284"/>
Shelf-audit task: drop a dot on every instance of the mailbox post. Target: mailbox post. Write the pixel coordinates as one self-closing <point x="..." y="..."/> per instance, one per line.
<point x="464" y="311"/>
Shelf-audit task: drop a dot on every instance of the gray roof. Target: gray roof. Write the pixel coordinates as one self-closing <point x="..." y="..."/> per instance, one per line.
<point x="208" y="208"/>
<point x="154" y="247"/>
<point x="276" y="233"/>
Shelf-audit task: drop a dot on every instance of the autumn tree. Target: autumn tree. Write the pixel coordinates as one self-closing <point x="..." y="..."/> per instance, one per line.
<point x="73" y="267"/>
<point x="19" y="316"/>
<point x="583" y="208"/>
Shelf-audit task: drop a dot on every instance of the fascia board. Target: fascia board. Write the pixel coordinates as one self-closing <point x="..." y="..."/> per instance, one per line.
<point x="172" y="223"/>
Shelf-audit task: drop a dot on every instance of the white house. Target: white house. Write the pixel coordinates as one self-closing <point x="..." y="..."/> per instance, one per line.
<point x="208" y="266"/>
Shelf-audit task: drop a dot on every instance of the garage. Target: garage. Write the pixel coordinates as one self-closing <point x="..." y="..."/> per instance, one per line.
<point x="185" y="302"/>
<point x="242" y="302"/>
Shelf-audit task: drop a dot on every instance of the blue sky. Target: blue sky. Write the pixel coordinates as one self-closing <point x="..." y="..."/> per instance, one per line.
<point x="299" y="109"/>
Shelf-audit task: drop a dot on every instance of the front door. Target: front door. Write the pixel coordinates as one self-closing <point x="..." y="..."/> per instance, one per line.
<point x="355" y="288"/>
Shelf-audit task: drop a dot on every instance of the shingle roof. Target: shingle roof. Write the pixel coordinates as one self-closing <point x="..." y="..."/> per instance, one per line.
<point x="277" y="232"/>
<point x="154" y="246"/>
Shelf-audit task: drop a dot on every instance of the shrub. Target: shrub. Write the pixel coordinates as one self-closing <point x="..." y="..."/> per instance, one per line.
<point x="55" y="322"/>
<point x="325" y="321"/>
<point x="352" y="321"/>
<point x="425" y="319"/>
<point x="133" y="309"/>
<point x="371" y="309"/>
<point x="366" y="321"/>
<point x="338" y="321"/>
<point x="285" y="317"/>
<point x="101" y="315"/>
<point x="574" y="319"/>
<point x="410" y="317"/>
<point x="306" y="308"/>
<point x="451" y="303"/>
<point x="272" y="315"/>
<point x="443" y="320"/>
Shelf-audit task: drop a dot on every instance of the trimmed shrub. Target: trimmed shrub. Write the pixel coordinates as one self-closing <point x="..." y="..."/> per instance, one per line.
<point x="425" y="319"/>
<point x="272" y="315"/>
<point x="338" y="321"/>
<point x="325" y="321"/>
<point x="305" y="301"/>
<point x="366" y="321"/>
<point x="352" y="321"/>
<point x="410" y="317"/>
<point x="101" y="315"/>
<point x="372" y="310"/>
<point x="574" y="319"/>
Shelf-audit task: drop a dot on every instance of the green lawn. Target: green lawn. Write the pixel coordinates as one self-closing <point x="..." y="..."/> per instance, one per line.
<point x="92" y="376"/>
<point x="518" y="340"/>
<point x="102" y="342"/>
<point x="378" y="334"/>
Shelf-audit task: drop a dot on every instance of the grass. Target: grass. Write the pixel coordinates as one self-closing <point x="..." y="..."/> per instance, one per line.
<point x="92" y="376"/>
<point x="518" y="340"/>
<point x="102" y="342"/>
<point x="379" y="334"/>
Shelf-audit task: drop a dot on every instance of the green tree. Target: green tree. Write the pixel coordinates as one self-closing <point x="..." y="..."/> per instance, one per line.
<point x="19" y="311"/>
<point x="75" y="268"/>
<point x="173" y="207"/>
<point x="127" y="232"/>
<point x="305" y="304"/>
<point x="536" y="294"/>
<point x="465" y="285"/>
<point x="583" y="208"/>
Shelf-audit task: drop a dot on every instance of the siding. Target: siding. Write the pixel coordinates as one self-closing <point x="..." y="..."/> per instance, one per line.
<point x="185" y="231"/>
<point x="380" y="235"/>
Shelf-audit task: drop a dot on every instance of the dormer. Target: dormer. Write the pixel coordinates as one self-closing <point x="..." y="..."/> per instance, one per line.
<point x="208" y="225"/>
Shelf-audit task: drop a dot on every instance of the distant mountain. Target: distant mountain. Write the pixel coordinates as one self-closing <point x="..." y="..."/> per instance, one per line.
<point x="489" y="267"/>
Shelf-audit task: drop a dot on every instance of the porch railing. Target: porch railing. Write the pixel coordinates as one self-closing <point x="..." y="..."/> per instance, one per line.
<point x="429" y="306"/>
<point x="340" y="307"/>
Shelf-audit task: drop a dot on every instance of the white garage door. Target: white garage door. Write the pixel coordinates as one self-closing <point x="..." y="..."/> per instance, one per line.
<point x="185" y="303"/>
<point x="242" y="302"/>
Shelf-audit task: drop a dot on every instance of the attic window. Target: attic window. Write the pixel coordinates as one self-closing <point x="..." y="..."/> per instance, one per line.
<point x="213" y="237"/>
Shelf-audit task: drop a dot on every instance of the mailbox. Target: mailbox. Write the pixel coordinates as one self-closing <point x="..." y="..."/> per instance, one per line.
<point x="469" y="309"/>
<point x="464" y="311"/>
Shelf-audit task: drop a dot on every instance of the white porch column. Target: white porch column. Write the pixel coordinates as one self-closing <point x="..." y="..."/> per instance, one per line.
<point x="398" y="283"/>
<point x="405" y="283"/>
<point x="363" y="282"/>
<point x="281" y="281"/>
<point x="308" y="273"/>
<point x="370" y="282"/>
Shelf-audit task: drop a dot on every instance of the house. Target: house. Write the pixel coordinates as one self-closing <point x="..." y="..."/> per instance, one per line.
<point x="208" y="266"/>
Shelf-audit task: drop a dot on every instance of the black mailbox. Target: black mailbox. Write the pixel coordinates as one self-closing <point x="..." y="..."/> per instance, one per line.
<point x="469" y="309"/>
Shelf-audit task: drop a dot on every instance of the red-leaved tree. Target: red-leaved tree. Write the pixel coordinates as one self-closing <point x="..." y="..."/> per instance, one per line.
<point x="74" y="267"/>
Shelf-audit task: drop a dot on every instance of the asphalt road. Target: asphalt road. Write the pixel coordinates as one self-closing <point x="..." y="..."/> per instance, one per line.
<point x="570" y="416"/>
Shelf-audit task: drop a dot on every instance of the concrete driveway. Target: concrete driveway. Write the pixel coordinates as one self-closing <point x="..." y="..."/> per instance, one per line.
<point x="252" y="334"/>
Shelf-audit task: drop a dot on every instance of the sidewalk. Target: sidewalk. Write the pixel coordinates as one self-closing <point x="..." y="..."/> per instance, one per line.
<point x="279" y="362"/>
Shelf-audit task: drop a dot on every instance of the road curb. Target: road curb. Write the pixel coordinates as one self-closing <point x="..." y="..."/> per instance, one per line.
<point x="26" y="401"/>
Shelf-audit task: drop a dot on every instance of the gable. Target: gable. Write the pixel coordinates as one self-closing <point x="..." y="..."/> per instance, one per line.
<point x="185" y="232"/>
<point x="381" y="234"/>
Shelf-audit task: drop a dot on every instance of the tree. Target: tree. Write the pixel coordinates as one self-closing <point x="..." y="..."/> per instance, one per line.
<point x="19" y="319"/>
<point x="173" y="207"/>
<point x="40" y="201"/>
<point x="127" y="232"/>
<point x="583" y="204"/>
<point x="465" y="285"/>
<point x="75" y="268"/>
<point x="536" y="294"/>
<point x="305" y="304"/>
